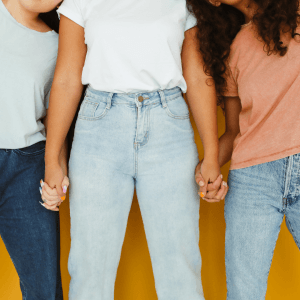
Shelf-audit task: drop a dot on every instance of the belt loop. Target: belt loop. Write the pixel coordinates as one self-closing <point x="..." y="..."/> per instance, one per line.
<point x="163" y="99"/>
<point x="108" y="100"/>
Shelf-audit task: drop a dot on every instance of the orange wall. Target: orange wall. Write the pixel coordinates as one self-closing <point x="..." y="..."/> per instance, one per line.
<point x="135" y="279"/>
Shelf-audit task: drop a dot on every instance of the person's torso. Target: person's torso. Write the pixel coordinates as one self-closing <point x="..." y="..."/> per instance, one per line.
<point x="268" y="86"/>
<point x="27" y="62"/>
<point x="134" y="45"/>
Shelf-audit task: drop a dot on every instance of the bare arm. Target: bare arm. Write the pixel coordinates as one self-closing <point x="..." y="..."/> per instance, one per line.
<point x="65" y="96"/>
<point x="232" y="111"/>
<point x="202" y="100"/>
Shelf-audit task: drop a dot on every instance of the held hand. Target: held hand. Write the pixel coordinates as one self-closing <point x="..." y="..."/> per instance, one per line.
<point x="55" y="188"/>
<point x="210" y="192"/>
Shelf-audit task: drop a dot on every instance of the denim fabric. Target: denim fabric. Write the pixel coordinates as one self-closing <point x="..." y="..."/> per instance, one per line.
<point x="258" y="198"/>
<point x="121" y="144"/>
<point x="29" y="231"/>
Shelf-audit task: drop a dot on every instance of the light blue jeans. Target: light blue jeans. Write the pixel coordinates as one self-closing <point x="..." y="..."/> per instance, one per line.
<point x="256" y="203"/>
<point x="124" y="142"/>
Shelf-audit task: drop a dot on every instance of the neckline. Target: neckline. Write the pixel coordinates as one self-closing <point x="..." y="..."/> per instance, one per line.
<point x="8" y="14"/>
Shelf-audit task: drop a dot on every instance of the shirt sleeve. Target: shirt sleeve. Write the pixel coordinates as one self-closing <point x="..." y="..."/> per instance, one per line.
<point x="191" y="20"/>
<point x="71" y="9"/>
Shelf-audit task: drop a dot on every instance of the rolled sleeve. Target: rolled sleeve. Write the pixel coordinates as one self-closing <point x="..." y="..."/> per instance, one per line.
<point x="71" y="10"/>
<point x="232" y="87"/>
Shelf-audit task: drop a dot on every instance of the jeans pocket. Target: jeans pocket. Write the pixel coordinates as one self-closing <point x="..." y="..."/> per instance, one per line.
<point x="177" y="108"/>
<point x="91" y="109"/>
<point x="33" y="150"/>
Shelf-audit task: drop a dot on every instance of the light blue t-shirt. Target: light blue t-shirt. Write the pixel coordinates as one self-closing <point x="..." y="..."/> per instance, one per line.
<point x="27" y="63"/>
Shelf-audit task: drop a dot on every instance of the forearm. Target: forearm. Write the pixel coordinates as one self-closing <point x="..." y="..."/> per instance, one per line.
<point x="202" y="101"/>
<point x="226" y="147"/>
<point x="64" y="101"/>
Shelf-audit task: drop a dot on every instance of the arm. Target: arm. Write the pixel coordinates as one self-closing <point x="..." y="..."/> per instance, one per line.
<point x="65" y="96"/>
<point x="202" y="100"/>
<point x="232" y="111"/>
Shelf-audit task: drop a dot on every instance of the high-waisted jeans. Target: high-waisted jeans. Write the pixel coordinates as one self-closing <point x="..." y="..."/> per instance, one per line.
<point x="124" y="142"/>
<point x="256" y="203"/>
<point x="29" y="231"/>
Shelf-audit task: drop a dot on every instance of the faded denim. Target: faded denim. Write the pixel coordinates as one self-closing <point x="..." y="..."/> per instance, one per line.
<point x="258" y="199"/>
<point x="122" y="144"/>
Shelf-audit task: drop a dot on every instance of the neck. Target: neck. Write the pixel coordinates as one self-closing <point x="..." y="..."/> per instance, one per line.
<point x="248" y="8"/>
<point x="21" y="14"/>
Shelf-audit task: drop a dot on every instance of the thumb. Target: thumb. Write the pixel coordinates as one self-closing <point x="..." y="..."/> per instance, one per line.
<point x="202" y="185"/>
<point x="64" y="185"/>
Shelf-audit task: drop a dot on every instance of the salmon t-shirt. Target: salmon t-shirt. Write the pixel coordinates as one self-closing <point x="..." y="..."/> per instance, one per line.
<point x="269" y="89"/>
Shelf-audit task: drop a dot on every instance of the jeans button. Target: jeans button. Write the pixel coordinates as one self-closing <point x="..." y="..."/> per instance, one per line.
<point x="141" y="98"/>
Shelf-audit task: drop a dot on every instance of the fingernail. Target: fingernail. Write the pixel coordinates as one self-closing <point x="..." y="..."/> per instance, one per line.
<point x="65" y="189"/>
<point x="42" y="203"/>
<point x="44" y="200"/>
<point x="222" y="176"/>
<point x="201" y="194"/>
<point x="224" y="183"/>
<point x="201" y="183"/>
<point x="41" y="182"/>
<point x="63" y="198"/>
<point x="41" y="191"/>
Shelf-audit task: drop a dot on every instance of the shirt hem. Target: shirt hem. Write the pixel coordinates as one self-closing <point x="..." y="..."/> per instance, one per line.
<point x="262" y="160"/>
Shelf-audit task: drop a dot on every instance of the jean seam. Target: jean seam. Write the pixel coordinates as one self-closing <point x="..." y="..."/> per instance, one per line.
<point x="292" y="231"/>
<point x="33" y="154"/>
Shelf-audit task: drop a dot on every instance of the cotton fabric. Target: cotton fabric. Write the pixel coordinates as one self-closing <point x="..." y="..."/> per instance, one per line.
<point x="268" y="86"/>
<point x="27" y="62"/>
<point x="133" y="45"/>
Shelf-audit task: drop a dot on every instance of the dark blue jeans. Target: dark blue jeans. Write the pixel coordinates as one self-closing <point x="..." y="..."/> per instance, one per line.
<point x="29" y="231"/>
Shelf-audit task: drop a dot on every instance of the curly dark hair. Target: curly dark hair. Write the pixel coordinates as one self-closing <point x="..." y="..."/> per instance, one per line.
<point x="51" y="19"/>
<point x="218" y="26"/>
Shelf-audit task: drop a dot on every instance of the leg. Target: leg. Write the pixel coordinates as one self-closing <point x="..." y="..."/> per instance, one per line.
<point x="29" y="231"/>
<point x="293" y="219"/>
<point x="169" y="203"/>
<point x="101" y="194"/>
<point x="253" y="214"/>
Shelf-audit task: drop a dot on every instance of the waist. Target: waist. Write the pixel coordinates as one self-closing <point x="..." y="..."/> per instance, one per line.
<point x="140" y="98"/>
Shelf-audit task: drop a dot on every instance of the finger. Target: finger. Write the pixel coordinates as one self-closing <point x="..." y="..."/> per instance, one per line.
<point x="202" y="184"/>
<point x="49" y="190"/>
<point x="48" y="197"/>
<point x="216" y="184"/>
<point x="65" y="184"/>
<point x="220" y="194"/>
<point x="54" y="208"/>
<point x="211" y="200"/>
<point x="225" y="193"/>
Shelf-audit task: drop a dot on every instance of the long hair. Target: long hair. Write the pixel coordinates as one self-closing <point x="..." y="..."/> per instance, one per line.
<point x="218" y="26"/>
<point x="51" y="19"/>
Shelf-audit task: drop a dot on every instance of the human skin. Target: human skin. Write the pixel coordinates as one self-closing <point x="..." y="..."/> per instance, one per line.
<point x="67" y="89"/>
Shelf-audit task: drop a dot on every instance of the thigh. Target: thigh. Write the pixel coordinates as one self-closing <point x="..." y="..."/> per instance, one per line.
<point x="29" y="231"/>
<point x="253" y="217"/>
<point x="169" y="203"/>
<point x="100" y="200"/>
<point x="293" y="220"/>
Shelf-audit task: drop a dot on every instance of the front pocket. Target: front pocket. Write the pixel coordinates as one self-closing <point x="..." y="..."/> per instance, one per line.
<point x="177" y="108"/>
<point x="91" y="110"/>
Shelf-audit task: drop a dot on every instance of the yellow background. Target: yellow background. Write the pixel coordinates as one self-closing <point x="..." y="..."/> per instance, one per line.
<point x="135" y="279"/>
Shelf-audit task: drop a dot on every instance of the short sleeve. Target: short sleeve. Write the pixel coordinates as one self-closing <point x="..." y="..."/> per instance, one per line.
<point x="191" y="20"/>
<point x="71" y="9"/>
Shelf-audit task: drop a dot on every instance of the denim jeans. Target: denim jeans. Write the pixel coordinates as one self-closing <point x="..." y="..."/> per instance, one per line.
<point x="124" y="142"/>
<point x="29" y="231"/>
<point x="256" y="203"/>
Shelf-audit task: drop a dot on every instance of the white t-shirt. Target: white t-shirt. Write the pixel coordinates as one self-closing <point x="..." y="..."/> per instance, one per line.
<point x="27" y="63"/>
<point x="133" y="45"/>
